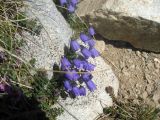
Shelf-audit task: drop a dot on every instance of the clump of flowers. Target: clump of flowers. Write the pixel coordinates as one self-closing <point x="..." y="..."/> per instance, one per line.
<point x="70" y="4"/>
<point x="78" y="75"/>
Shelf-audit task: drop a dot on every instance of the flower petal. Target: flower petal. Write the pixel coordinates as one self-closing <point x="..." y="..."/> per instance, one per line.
<point x="91" y="31"/>
<point x="94" y="53"/>
<point x="67" y="85"/>
<point x="84" y="37"/>
<point x="86" y="53"/>
<point x="82" y="91"/>
<point x="74" y="45"/>
<point x="91" y="86"/>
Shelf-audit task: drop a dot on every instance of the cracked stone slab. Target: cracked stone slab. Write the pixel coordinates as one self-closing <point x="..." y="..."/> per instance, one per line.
<point x="134" y="21"/>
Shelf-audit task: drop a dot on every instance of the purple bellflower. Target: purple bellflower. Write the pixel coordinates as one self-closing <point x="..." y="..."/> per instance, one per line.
<point x="82" y="91"/>
<point x="88" y="66"/>
<point x="5" y="88"/>
<point x="71" y="8"/>
<point x="86" y="77"/>
<point x="72" y="75"/>
<point x="94" y="52"/>
<point x="78" y="63"/>
<point x="65" y="64"/>
<point x="91" y="86"/>
<point x="74" y="2"/>
<point x="86" y="53"/>
<point x="84" y="37"/>
<point x="74" y="45"/>
<point x="91" y="43"/>
<point x="63" y="2"/>
<point x="67" y="85"/>
<point x="91" y="31"/>
<point x="75" y="91"/>
<point x="2" y="87"/>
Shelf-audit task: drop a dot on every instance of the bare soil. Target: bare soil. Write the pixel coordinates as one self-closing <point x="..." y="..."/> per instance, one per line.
<point x="138" y="72"/>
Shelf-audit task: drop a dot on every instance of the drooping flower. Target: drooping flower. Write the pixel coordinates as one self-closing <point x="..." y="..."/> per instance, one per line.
<point x="84" y="37"/>
<point x="72" y="75"/>
<point x="78" y="63"/>
<point x="86" y="53"/>
<point x="91" y="31"/>
<point x="86" y="77"/>
<point x="63" y="2"/>
<point x="74" y="2"/>
<point x="91" y="86"/>
<point x="88" y="66"/>
<point x="75" y="91"/>
<point x="65" y="64"/>
<point x="94" y="52"/>
<point x="67" y="85"/>
<point x="2" y="87"/>
<point x="82" y="91"/>
<point x="91" y="43"/>
<point x="74" y="45"/>
<point x="5" y="88"/>
<point x="71" y="8"/>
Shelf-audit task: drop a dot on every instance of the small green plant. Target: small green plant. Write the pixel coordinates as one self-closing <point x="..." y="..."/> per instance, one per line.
<point x="127" y="110"/>
<point x="22" y="95"/>
<point x="131" y="111"/>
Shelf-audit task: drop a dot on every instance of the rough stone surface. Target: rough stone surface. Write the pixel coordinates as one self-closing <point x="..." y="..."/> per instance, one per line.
<point x="100" y="45"/>
<point x="135" y="21"/>
<point x="137" y="71"/>
<point x="47" y="49"/>
<point x="89" y="107"/>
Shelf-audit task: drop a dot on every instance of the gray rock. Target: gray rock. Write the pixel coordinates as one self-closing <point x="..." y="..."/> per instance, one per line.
<point x="134" y="21"/>
<point x="48" y="47"/>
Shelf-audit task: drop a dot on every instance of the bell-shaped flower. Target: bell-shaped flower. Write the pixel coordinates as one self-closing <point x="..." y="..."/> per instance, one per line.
<point x="65" y="64"/>
<point x="91" y="31"/>
<point x="94" y="52"/>
<point x="91" y="86"/>
<point x="88" y="66"/>
<point x="67" y="85"/>
<point x="86" y="77"/>
<point x="71" y="8"/>
<point x="75" y="91"/>
<point x="2" y="87"/>
<point x="91" y="43"/>
<point x="82" y="91"/>
<point x="72" y="75"/>
<point x="78" y="63"/>
<point x="74" y="45"/>
<point x="84" y="37"/>
<point x="63" y="2"/>
<point x="86" y="53"/>
<point x="5" y="88"/>
<point x="74" y="2"/>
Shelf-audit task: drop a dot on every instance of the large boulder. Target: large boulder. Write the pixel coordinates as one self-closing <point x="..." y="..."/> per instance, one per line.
<point x="48" y="47"/>
<point x="134" y="21"/>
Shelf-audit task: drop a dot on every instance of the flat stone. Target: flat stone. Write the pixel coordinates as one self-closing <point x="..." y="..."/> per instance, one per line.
<point x="134" y="21"/>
